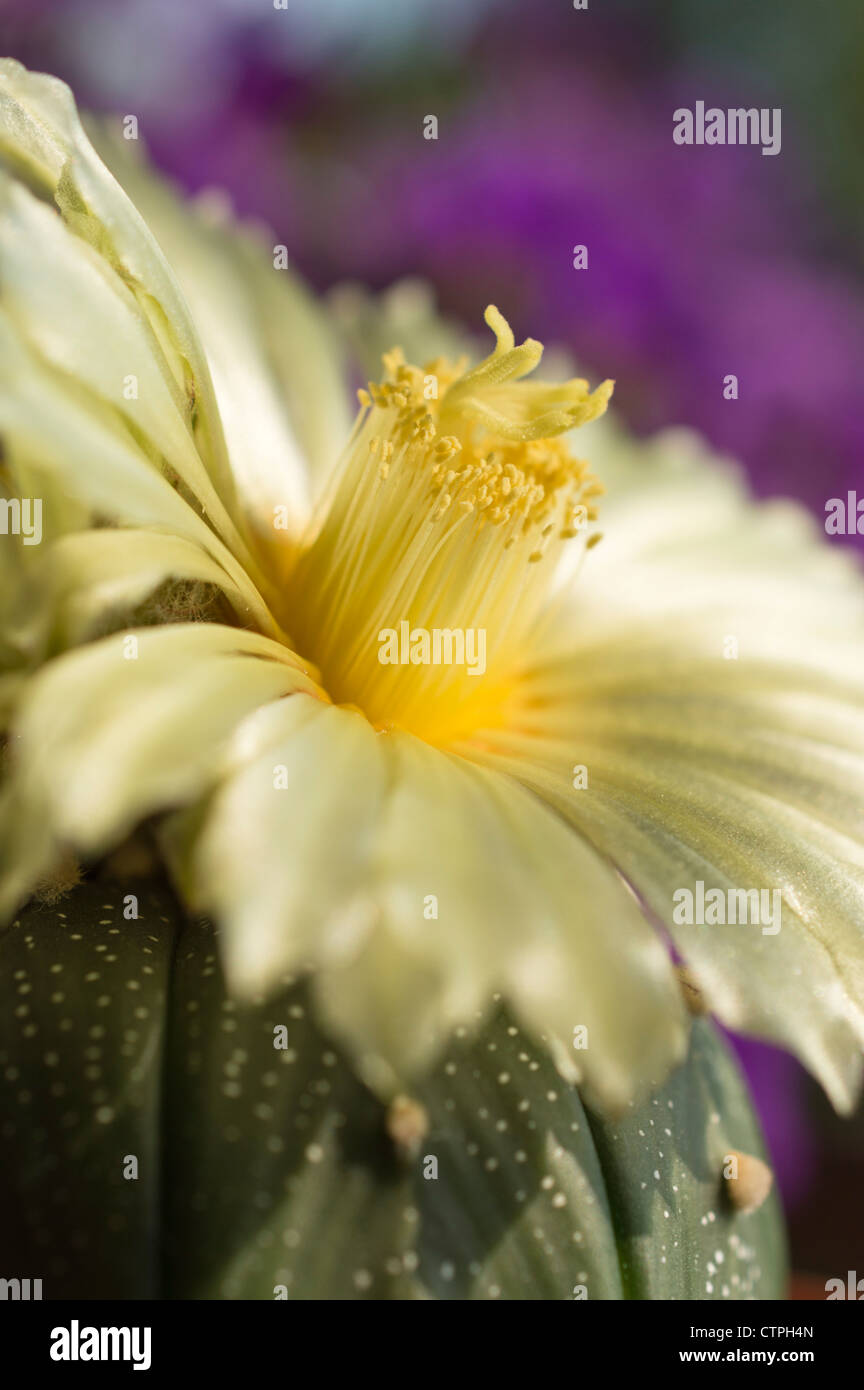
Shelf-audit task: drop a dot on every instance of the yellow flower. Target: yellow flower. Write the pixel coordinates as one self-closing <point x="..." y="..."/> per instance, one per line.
<point x="402" y="724"/>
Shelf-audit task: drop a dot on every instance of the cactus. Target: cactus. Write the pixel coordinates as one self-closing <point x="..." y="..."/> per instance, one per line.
<point x="164" y="1141"/>
<point x="197" y="655"/>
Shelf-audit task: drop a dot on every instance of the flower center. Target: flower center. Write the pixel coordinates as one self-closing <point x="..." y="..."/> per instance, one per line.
<point x="434" y="551"/>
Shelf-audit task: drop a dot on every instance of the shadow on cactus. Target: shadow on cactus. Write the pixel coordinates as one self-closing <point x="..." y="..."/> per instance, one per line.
<point x="435" y="755"/>
<point x="175" y="1144"/>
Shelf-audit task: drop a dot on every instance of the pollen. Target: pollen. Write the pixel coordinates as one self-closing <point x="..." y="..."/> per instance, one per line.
<point x="450" y="510"/>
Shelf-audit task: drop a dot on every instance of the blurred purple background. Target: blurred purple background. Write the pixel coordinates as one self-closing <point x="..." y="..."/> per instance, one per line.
<point x="555" y="130"/>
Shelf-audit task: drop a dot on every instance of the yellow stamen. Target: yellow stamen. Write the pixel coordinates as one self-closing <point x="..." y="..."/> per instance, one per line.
<point x="446" y="514"/>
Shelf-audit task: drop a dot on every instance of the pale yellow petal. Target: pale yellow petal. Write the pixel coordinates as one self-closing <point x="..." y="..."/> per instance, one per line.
<point x="75" y="312"/>
<point x="283" y="858"/>
<point x="134" y="724"/>
<point x="101" y="575"/>
<point x="273" y="355"/>
<point x="399" y="873"/>
<point x="404" y="314"/>
<point x="696" y="711"/>
<point x="73" y="452"/>
<point x="42" y="141"/>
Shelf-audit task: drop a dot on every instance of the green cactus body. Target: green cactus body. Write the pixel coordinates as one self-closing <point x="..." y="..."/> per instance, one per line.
<point x="163" y="1141"/>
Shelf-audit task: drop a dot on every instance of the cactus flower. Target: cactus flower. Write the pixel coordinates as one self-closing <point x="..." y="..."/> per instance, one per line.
<point x="225" y="560"/>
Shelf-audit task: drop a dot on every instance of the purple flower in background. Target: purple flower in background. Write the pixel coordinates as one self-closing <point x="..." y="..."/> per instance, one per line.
<point x="689" y="278"/>
<point x="778" y="1084"/>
